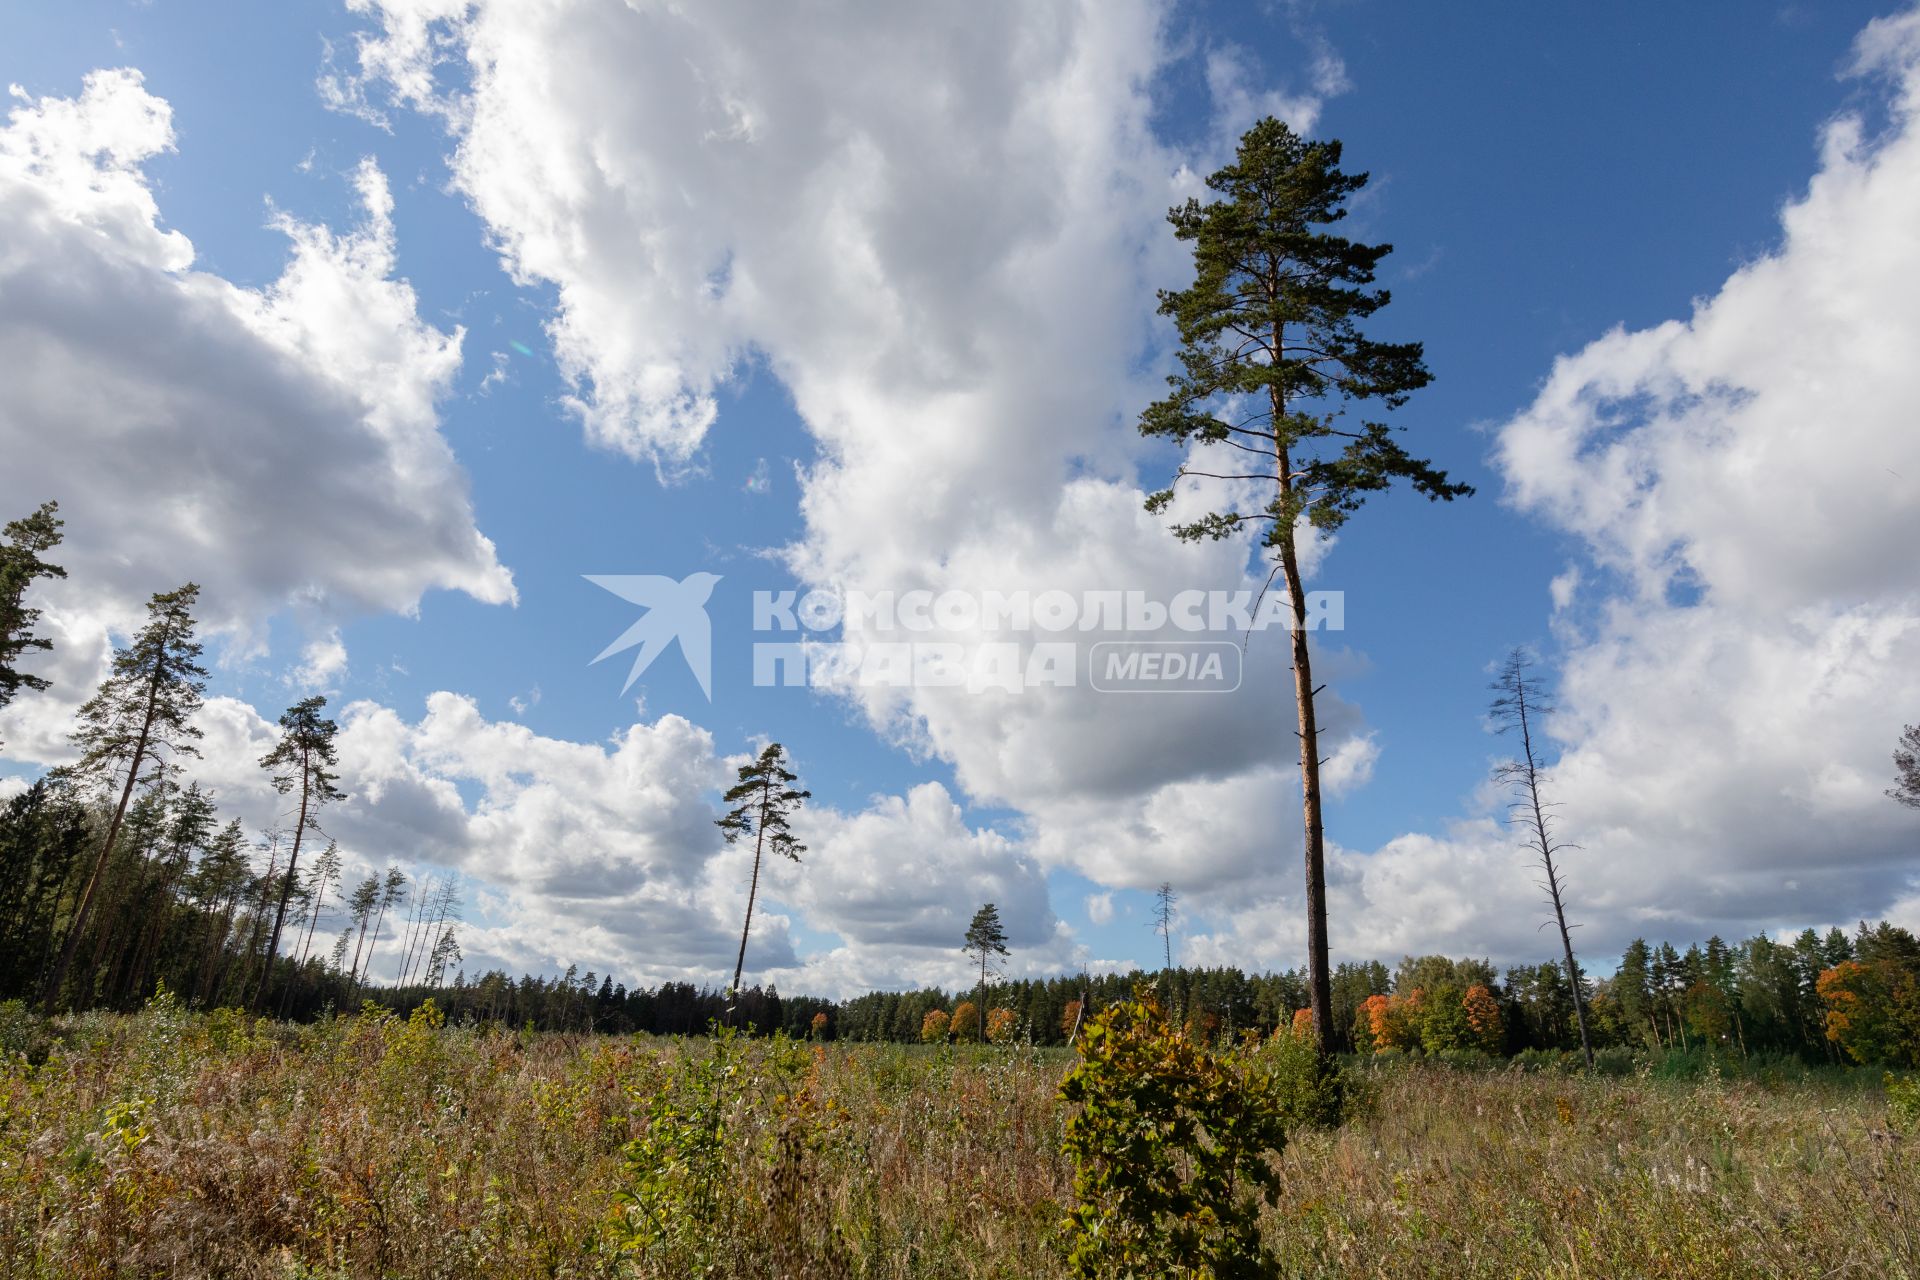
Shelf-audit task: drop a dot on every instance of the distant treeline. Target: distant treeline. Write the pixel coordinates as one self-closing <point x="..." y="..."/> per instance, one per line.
<point x="1821" y="998"/>
<point x="186" y="903"/>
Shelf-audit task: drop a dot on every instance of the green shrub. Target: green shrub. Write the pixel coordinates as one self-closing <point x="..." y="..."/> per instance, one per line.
<point x="1314" y="1092"/>
<point x="1615" y="1061"/>
<point x="24" y="1032"/>
<point x="1170" y="1149"/>
<point x="677" y="1198"/>
<point x="1903" y="1104"/>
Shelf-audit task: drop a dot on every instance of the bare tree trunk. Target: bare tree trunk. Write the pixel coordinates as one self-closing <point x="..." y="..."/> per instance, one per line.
<point x="1545" y="847"/>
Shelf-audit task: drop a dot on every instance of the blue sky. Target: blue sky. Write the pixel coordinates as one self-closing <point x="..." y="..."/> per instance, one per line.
<point x="1545" y="177"/>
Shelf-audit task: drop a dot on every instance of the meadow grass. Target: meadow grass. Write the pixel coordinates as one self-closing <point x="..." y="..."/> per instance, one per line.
<point x="176" y="1144"/>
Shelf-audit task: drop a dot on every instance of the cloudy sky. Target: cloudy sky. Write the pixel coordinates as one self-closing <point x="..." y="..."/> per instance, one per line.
<point x="388" y="321"/>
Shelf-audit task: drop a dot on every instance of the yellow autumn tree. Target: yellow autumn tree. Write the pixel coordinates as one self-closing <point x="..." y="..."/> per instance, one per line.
<point x="966" y="1021"/>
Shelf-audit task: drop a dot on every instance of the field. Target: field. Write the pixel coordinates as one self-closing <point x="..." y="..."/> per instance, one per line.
<point x="168" y="1143"/>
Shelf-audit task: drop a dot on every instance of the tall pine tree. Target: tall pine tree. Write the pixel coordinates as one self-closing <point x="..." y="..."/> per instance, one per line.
<point x="1271" y="358"/>
<point x="302" y="761"/>
<point x="133" y="731"/>
<point x="986" y="938"/>
<point x="763" y="800"/>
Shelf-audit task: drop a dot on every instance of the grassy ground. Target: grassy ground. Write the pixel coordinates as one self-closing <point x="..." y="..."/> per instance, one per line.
<point x="178" y="1145"/>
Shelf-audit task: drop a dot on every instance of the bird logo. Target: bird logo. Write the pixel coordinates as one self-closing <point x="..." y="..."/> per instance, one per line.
<point x="674" y="611"/>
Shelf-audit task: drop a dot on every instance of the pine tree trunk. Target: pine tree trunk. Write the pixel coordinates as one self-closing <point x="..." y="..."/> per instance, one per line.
<point x="286" y="886"/>
<point x="1320" y="984"/>
<point x="753" y="889"/>
<point x="1319" y="981"/>
<point x="58" y="979"/>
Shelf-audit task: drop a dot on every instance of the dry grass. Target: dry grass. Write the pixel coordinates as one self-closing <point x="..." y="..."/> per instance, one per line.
<point x="176" y="1145"/>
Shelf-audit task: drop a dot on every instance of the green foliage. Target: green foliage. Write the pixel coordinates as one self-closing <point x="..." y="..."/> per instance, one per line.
<point x="1903" y="1104"/>
<point x="1313" y="1091"/>
<point x="676" y="1198"/>
<point x="1170" y="1149"/>
<point x="1443" y="1020"/>
<point x="21" y="542"/>
<point x="24" y="1033"/>
<point x="1271" y="348"/>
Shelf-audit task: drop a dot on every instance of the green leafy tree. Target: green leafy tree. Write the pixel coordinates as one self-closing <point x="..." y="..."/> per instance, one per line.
<point x="303" y="761"/>
<point x="1517" y="709"/>
<point x="764" y="799"/>
<point x="133" y="731"/>
<point x="20" y="567"/>
<point x="985" y="940"/>
<point x="1271" y="358"/>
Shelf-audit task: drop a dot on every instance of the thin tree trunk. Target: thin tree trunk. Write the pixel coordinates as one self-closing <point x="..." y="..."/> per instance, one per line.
<point x="286" y="887"/>
<point x="353" y="974"/>
<point x="417" y="911"/>
<point x="319" y="897"/>
<point x="1545" y="848"/>
<point x="753" y="889"/>
<point x="58" y="979"/>
<point x="374" y="946"/>
<point x="983" y="996"/>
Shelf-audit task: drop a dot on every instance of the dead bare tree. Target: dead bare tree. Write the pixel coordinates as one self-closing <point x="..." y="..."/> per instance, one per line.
<point x="1520" y="702"/>
<point x="1164" y="899"/>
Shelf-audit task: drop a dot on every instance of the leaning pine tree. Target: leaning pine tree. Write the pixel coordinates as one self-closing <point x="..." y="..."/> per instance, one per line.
<point x="1520" y="704"/>
<point x="763" y="799"/>
<point x="131" y="732"/>
<point x="1271" y="359"/>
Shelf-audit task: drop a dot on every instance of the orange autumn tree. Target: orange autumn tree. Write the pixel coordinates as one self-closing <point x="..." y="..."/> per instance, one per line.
<point x="1391" y="1022"/>
<point x="1000" y="1024"/>
<point x="1873" y="1010"/>
<point x="1484" y="1017"/>
<point x="818" y="1026"/>
<point x="1302" y="1024"/>
<point x="933" y="1027"/>
<point x="1070" y="1019"/>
